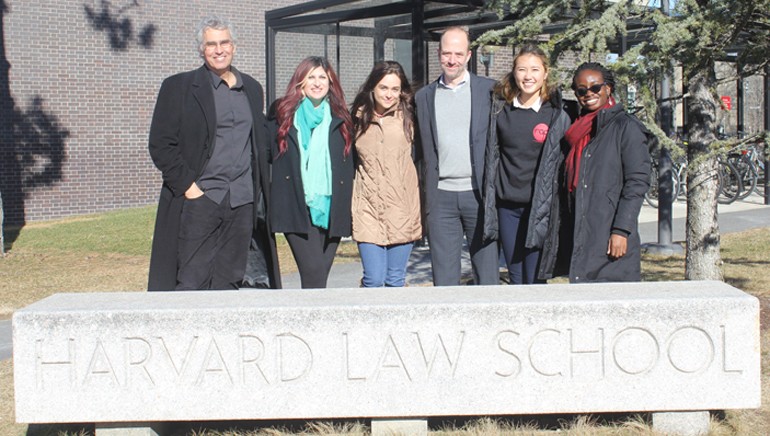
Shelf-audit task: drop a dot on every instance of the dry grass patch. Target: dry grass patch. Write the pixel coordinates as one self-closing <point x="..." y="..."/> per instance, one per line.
<point x="8" y="424"/>
<point x="28" y="276"/>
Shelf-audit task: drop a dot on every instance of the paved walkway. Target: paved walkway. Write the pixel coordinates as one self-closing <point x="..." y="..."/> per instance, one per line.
<point x="741" y="215"/>
<point x="736" y="217"/>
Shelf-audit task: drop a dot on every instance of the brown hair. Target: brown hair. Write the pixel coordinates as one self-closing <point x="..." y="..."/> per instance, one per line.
<point x="363" y="105"/>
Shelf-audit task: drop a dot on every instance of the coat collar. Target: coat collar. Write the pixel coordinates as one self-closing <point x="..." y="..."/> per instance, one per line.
<point x="204" y="95"/>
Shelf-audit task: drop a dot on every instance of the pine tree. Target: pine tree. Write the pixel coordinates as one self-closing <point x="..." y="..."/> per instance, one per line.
<point x="695" y="35"/>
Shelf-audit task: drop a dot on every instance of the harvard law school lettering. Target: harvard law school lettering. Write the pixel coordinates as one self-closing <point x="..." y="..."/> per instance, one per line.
<point x="296" y="354"/>
<point x="258" y="359"/>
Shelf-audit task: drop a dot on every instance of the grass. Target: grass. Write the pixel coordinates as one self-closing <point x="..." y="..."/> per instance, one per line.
<point x="110" y="252"/>
<point x="113" y="248"/>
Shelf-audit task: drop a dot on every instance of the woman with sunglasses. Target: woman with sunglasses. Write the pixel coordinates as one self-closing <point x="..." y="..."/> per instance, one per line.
<point x="607" y="174"/>
<point x="524" y="155"/>
<point x="386" y="193"/>
<point x="312" y="169"/>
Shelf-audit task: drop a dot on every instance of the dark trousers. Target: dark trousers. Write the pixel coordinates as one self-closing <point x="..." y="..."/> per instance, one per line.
<point x="314" y="253"/>
<point x="522" y="262"/>
<point x="453" y="216"/>
<point x="213" y="244"/>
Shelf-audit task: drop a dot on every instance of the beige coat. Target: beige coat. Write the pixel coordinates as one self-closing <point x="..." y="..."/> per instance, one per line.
<point x="386" y="195"/>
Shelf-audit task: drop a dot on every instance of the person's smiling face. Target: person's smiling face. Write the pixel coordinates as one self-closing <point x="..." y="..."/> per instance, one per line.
<point x="591" y="91"/>
<point x="316" y="85"/>
<point x="387" y="93"/>
<point x="530" y="74"/>
<point x="453" y="55"/>
<point x="218" y="50"/>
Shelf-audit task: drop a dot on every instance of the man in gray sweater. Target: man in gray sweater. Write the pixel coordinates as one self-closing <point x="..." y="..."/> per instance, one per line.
<point x="453" y="116"/>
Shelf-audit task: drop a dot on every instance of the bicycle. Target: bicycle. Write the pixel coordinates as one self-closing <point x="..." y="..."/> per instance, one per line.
<point x="729" y="185"/>
<point x="652" y="194"/>
<point x="750" y="167"/>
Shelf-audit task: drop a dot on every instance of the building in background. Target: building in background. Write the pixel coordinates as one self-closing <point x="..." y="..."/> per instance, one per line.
<point x="79" y="78"/>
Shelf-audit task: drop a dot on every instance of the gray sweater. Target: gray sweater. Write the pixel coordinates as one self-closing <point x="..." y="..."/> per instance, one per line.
<point x="453" y="123"/>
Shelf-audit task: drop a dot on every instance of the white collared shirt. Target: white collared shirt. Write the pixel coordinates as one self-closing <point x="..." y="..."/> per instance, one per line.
<point x="535" y="106"/>
<point x="466" y="79"/>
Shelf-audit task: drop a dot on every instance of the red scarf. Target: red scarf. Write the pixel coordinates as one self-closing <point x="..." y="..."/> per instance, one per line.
<point x="578" y="136"/>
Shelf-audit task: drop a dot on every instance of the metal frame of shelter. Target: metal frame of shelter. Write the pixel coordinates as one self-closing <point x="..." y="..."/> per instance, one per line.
<point x="420" y="21"/>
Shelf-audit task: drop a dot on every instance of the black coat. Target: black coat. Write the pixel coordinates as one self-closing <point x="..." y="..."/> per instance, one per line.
<point x="541" y="232"/>
<point x="614" y="176"/>
<point x="182" y="138"/>
<point x="288" y="211"/>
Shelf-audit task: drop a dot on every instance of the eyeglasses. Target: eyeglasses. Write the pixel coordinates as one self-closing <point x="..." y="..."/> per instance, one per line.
<point x="226" y="44"/>
<point x="581" y="92"/>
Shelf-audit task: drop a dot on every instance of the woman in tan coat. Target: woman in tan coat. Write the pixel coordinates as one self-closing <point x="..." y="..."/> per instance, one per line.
<point x="386" y="199"/>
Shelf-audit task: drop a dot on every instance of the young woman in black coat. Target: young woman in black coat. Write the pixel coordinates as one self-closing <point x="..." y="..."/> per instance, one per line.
<point x="607" y="174"/>
<point x="523" y="157"/>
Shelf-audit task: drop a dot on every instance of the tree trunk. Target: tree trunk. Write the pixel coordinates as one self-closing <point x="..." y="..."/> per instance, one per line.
<point x="703" y="261"/>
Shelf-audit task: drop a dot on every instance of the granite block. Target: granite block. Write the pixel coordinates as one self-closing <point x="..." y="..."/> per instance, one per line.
<point x="388" y="353"/>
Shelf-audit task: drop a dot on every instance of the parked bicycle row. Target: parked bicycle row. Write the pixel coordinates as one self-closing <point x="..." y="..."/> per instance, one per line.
<point x="740" y="173"/>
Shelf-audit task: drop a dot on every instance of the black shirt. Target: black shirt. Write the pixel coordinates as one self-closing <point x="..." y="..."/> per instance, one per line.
<point x="521" y="134"/>
<point x="229" y="169"/>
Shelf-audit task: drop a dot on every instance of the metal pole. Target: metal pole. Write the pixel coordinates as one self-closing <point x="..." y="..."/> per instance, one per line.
<point x="418" y="44"/>
<point x="767" y="128"/>
<point x="270" y="64"/>
<point x="665" y="184"/>
<point x="739" y="99"/>
<point x="379" y="42"/>
<point x="337" y="61"/>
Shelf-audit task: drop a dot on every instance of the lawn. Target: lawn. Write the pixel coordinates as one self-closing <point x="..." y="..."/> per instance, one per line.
<point x="110" y="252"/>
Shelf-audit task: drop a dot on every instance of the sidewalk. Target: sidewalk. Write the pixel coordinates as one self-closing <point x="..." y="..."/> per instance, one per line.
<point x="742" y="215"/>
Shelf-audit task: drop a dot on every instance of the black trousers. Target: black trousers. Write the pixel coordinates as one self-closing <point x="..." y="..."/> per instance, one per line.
<point x="213" y="244"/>
<point x="314" y="253"/>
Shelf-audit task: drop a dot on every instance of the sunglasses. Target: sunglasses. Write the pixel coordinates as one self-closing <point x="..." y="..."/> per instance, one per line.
<point x="581" y="92"/>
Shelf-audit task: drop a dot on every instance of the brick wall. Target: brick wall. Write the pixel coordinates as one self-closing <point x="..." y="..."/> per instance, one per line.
<point x="82" y="80"/>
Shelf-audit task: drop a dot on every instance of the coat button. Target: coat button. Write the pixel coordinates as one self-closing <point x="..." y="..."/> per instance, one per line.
<point x="287" y="177"/>
<point x="342" y="182"/>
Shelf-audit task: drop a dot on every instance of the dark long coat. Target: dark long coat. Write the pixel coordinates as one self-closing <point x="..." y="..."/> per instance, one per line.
<point x="288" y="212"/>
<point x="614" y="175"/>
<point x="182" y="138"/>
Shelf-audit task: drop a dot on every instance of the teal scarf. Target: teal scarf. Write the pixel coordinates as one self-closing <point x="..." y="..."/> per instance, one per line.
<point x="312" y="124"/>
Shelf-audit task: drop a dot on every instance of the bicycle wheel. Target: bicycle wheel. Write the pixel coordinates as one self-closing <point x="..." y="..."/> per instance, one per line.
<point x="730" y="185"/>
<point x="651" y="196"/>
<point x="748" y="174"/>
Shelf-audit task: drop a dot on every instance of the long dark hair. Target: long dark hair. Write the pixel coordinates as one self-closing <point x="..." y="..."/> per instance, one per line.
<point x="507" y="87"/>
<point x="364" y="104"/>
<point x="291" y="100"/>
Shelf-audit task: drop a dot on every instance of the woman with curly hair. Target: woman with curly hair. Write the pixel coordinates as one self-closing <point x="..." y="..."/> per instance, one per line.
<point x="312" y="169"/>
<point x="608" y="172"/>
